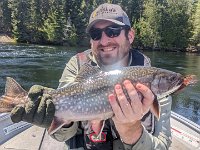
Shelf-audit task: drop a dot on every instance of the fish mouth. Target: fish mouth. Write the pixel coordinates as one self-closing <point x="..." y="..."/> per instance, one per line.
<point x="188" y="80"/>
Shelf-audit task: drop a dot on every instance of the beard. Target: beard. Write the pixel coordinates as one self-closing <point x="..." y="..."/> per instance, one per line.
<point x="116" y="57"/>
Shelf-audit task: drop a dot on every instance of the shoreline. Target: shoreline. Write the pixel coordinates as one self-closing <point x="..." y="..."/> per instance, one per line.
<point x="6" y="39"/>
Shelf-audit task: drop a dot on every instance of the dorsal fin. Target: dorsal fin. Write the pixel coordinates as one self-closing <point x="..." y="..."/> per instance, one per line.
<point x="86" y="71"/>
<point x="12" y="88"/>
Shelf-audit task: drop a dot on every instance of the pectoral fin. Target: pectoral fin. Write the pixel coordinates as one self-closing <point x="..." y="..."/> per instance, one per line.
<point x="155" y="108"/>
<point x="55" y="125"/>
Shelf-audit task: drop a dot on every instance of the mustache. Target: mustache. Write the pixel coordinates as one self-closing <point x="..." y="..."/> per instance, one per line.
<point x="100" y="46"/>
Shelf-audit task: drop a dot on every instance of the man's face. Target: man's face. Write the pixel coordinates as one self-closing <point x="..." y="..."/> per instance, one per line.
<point x="110" y="50"/>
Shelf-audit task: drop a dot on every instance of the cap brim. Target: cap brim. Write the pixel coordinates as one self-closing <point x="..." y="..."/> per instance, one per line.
<point x="97" y="20"/>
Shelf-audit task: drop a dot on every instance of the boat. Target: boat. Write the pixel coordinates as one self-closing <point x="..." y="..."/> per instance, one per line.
<point x="185" y="133"/>
<point x="185" y="136"/>
<point x="8" y="129"/>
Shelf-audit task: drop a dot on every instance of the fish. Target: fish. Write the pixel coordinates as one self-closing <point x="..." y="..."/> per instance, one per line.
<point x="87" y="98"/>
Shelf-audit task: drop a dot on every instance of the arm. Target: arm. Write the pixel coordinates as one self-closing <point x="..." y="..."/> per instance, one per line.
<point x="161" y="139"/>
<point x="127" y="118"/>
<point x="67" y="79"/>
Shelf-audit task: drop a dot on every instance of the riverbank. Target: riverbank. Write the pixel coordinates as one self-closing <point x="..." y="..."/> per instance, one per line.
<point x="6" y="39"/>
<point x="191" y="49"/>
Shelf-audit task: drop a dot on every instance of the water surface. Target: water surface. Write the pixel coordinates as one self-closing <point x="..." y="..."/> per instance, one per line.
<point x="34" y="64"/>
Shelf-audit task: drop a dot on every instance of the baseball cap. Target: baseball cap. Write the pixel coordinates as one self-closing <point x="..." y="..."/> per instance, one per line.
<point x="109" y="12"/>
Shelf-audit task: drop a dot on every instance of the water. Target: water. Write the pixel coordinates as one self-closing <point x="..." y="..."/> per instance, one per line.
<point x="33" y="64"/>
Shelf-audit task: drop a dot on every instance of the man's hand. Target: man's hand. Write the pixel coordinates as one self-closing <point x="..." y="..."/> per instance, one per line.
<point x="128" y="113"/>
<point x="39" y="110"/>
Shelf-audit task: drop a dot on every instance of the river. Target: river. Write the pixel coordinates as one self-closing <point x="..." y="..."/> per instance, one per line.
<point x="34" y="64"/>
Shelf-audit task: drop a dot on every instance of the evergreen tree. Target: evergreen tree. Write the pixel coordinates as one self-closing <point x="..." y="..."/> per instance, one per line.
<point x="1" y="18"/>
<point x="175" y="31"/>
<point x="78" y="20"/>
<point x="148" y="25"/>
<point x="45" y="6"/>
<point x="6" y="20"/>
<point x="158" y="23"/>
<point x="37" y="22"/>
<point x="55" y="23"/>
<point x="21" y="19"/>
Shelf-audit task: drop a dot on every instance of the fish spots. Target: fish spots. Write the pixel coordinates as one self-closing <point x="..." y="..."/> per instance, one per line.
<point x="87" y="109"/>
<point x="79" y="107"/>
<point x="57" y="107"/>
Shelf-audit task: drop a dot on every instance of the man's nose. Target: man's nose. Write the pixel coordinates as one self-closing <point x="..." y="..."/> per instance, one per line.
<point x="104" y="39"/>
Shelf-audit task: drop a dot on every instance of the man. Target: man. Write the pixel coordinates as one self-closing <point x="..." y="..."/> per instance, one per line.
<point x="132" y="126"/>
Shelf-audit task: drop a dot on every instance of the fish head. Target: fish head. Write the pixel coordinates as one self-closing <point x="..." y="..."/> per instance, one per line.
<point x="166" y="82"/>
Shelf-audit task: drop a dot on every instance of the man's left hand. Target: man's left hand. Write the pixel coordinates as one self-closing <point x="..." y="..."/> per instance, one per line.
<point x="128" y="113"/>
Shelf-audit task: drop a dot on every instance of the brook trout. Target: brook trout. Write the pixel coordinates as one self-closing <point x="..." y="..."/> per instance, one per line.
<point x="87" y="98"/>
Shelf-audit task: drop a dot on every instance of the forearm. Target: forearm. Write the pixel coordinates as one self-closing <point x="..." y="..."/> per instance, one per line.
<point x="148" y="142"/>
<point x="133" y="135"/>
<point x="161" y="139"/>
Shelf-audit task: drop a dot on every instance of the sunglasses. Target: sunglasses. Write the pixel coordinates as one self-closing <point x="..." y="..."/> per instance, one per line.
<point x="110" y="31"/>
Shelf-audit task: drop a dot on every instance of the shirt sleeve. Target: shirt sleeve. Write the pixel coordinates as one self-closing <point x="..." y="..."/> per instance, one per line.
<point x="161" y="138"/>
<point x="69" y="74"/>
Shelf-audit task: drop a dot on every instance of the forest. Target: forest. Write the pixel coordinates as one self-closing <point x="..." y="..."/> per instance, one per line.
<point x="158" y="24"/>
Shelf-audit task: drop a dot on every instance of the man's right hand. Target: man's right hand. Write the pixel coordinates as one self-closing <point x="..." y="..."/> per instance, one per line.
<point x="39" y="110"/>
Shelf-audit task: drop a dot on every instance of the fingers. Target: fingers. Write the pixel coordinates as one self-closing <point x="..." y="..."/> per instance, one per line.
<point x="115" y="107"/>
<point x="136" y="103"/>
<point x="123" y="102"/>
<point x="131" y="106"/>
<point x="30" y="109"/>
<point x="45" y="112"/>
<point x="40" y="112"/>
<point x="16" y="114"/>
<point x="50" y="111"/>
<point x="35" y="91"/>
<point x="148" y="96"/>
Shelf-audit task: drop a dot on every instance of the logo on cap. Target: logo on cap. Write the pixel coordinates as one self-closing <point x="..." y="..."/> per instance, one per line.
<point x="104" y="10"/>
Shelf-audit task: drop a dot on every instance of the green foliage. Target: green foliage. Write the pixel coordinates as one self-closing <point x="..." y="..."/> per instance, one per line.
<point x="21" y="20"/>
<point x="54" y="26"/>
<point x="5" y="17"/>
<point x="196" y="25"/>
<point x="149" y="24"/>
<point x="175" y="31"/>
<point x="165" y="24"/>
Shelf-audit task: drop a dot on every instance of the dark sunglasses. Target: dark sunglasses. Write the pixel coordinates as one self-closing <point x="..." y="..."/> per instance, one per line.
<point x="110" y="31"/>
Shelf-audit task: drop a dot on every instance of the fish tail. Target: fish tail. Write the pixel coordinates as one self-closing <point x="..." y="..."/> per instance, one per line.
<point x="14" y="95"/>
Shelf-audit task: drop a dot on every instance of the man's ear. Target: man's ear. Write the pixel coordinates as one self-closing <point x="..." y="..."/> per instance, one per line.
<point x="131" y="35"/>
<point x="91" y="43"/>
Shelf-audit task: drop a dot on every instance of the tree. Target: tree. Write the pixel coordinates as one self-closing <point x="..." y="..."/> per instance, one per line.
<point x="21" y="19"/>
<point x="175" y="31"/>
<point x="6" y="18"/>
<point x="54" y="25"/>
<point x="196" y="25"/>
<point x="148" y="25"/>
